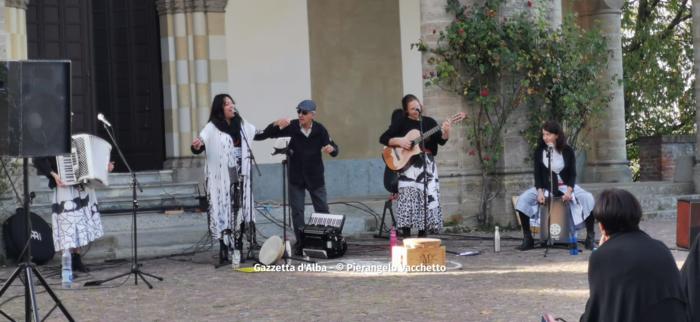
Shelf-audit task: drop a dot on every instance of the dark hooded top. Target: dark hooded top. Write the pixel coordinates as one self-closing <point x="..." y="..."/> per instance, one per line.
<point x="689" y="279"/>
<point x="633" y="278"/>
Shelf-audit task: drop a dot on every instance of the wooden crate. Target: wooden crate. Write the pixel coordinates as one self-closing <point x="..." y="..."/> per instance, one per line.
<point x="402" y="256"/>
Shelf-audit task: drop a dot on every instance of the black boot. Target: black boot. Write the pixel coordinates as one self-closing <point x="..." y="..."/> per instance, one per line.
<point x="223" y="253"/>
<point x="253" y="233"/>
<point x="405" y="232"/>
<point x="239" y="241"/>
<point x="299" y="246"/>
<point x="421" y="233"/>
<point x="590" y="233"/>
<point x="77" y="263"/>
<point x="528" y="241"/>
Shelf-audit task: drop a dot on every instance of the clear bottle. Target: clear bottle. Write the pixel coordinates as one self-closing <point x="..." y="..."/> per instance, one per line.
<point x="496" y="240"/>
<point x="236" y="258"/>
<point x="66" y="269"/>
<point x="392" y="237"/>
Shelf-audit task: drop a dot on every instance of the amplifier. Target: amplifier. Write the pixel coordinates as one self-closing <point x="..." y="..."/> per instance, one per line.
<point x="687" y="221"/>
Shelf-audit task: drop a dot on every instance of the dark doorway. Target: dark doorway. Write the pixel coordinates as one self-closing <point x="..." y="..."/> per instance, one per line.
<point x="114" y="47"/>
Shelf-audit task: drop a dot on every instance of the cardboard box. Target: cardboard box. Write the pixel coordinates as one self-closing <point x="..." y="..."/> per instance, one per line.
<point x="410" y="257"/>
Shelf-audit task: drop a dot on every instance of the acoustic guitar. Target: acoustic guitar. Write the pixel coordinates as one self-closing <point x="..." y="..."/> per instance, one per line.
<point x="397" y="158"/>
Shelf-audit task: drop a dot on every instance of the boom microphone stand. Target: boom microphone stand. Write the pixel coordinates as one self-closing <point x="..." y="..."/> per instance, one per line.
<point x="135" y="266"/>
<point x="26" y="267"/>
<point x="285" y="168"/>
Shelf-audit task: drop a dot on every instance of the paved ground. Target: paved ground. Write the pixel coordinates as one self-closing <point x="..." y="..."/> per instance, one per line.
<point x="505" y="286"/>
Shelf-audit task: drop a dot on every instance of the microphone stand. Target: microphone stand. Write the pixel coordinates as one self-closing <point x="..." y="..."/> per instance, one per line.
<point x="548" y="243"/>
<point x="425" y="175"/>
<point x="252" y="240"/>
<point x="135" y="266"/>
<point x="285" y="168"/>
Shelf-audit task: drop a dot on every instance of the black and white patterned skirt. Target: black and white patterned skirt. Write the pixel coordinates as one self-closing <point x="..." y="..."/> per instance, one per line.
<point x="75" y="217"/>
<point x="411" y="198"/>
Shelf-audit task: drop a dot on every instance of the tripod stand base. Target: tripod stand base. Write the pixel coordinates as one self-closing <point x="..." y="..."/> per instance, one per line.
<point x="387" y="207"/>
<point x="137" y="274"/>
<point x="31" y="308"/>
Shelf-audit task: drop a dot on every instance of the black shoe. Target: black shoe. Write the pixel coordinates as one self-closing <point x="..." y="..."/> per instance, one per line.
<point x="298" y="250"/>
<point x="223" y="253"/>
<point x="421" y="233"/>
<point x="589" y="243"/>
<point x="77" y="264"/>
<point x="405" y="232"/>
<point x="527" y="244"/>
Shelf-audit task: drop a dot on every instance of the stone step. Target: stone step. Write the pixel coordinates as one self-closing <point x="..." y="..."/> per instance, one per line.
<point x="115" y="179"/>
<point x="162" y="190"/>
<point x="658" y="203"/>
<point x="655" y="188"/>
<point x="160" y="234"/>
<point x="124" y="205"/>
<point x="660" y="215"/>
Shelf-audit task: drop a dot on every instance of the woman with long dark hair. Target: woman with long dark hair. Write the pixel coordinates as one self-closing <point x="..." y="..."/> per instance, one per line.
<point x="563" y="171"/>
<point x="411" y="182"/>
<point x="225" y="140"/>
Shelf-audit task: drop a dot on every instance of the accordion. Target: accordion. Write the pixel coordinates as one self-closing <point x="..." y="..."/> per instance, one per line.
<point x="322" y="236"/>
<point x="87" y="162"/>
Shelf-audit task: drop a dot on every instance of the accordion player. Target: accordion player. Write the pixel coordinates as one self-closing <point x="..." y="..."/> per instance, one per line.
<point x="87" y="161"/>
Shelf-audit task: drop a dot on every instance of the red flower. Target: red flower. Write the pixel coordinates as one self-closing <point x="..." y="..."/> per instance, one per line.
<point x="529" y="3"/>
<point x="461" y="32"/>
<point x="486" y="158"/>
<point x="472" y="152"/>
<point x="484" y="92"/>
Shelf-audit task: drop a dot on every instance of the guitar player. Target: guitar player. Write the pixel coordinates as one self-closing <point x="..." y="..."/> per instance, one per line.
<point x="410" y="188"/>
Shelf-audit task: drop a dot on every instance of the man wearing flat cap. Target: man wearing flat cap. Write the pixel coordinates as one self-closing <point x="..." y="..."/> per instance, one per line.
<point x="308" y="139"/>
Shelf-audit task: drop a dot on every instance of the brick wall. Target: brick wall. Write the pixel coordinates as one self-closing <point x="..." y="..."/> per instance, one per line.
<point x="659" y="156"/>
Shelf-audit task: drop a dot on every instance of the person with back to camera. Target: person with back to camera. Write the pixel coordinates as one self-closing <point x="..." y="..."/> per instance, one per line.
<point x="632" y="277"/>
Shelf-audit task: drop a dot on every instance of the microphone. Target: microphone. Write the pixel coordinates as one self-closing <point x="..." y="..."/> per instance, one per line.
<point x="549" y="150"/>
<point x="419" y="110"/>
<point x="101" y="118"/>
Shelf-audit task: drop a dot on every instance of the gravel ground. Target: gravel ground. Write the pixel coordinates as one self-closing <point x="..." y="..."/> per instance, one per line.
<point x="505" y="286"/>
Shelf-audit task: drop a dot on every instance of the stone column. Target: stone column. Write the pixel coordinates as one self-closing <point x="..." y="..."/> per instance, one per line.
<point x="193" y="53"/>
<point x="696" y="68"/>
<point x="607" y="152"/>
<point x="13" y="29"/>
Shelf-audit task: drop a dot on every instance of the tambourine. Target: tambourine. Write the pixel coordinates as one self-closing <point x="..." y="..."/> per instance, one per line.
<point x="271" y="251"/>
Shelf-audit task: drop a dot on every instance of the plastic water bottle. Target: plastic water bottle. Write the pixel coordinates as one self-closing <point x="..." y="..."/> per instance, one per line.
<point x="573" y="250"/>
<point x="235" y="258"/>
<point x="496" y="240"/>
<point x="67" y="269"/>
<point x="392" y="237"/>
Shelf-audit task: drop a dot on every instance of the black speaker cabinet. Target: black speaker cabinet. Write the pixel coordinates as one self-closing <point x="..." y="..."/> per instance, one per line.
<point x="35" y="104"/>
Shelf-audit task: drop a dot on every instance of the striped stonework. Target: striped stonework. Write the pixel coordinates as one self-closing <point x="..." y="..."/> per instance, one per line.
<point x="193" y="54"/>
<point x="13" y="29"/>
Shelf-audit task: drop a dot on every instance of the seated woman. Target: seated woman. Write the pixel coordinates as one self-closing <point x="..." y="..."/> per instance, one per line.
<point x="631" y="276"/>
<point x="563" y="172"/>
